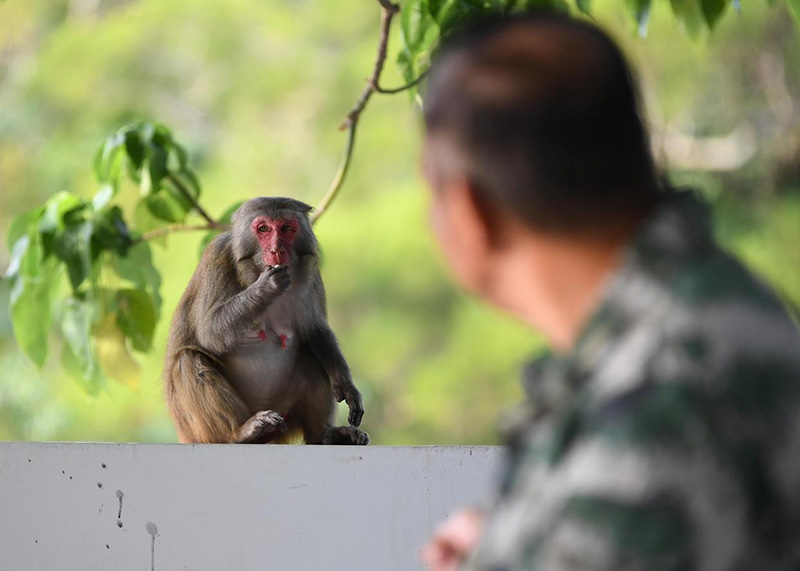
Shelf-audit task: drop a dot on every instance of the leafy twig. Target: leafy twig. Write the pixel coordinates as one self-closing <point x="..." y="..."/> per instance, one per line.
<point x="340" y="174"/>
<point x="388" y="11"/>
<point x="408" y="85"/>
<point x="196" y="205"/>
<point x="166" y="230"/>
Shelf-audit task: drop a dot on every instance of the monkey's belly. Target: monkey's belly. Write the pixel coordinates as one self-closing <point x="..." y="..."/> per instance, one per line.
<point x="261" y="373"/>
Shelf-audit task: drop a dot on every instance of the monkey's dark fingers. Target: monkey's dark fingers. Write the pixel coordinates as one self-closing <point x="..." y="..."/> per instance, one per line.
<point x="272" y="420"/>
<point x="278" y="278"/>
<point x="356" y="408"/>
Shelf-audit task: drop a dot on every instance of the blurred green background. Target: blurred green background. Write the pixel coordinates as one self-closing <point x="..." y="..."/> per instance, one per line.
<point x="257" y="88"/>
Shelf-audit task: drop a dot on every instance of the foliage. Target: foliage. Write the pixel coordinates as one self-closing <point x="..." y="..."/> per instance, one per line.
<point x="100" y="325"/>
<point x="113" y="300"/>
<point x="425" y="22"/>
<point x="434" y="366"/>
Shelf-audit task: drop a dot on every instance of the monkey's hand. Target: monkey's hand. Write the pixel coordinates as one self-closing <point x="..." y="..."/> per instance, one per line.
<point x="345" y="390"/>
<point x="274" y="281"/>
<point x="260" y="425"/>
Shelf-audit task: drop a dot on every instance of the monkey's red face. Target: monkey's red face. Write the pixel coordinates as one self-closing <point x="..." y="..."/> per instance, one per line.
<point x="275" y="236"/>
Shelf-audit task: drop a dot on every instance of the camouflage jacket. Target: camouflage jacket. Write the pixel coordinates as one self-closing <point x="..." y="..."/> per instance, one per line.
<point x="669" y="438"/>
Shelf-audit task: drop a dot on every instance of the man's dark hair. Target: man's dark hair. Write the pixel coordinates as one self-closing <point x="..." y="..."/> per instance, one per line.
<point x="541" y="114"/>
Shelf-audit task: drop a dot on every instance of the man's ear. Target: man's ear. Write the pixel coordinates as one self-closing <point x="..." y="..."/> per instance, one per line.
<point x="468" y="215"/>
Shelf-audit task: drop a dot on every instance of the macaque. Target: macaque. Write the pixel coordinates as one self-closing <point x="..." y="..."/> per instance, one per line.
<point x="251" y="357"/>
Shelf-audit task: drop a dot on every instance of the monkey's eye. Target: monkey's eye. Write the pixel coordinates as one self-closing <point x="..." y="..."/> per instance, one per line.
<point x="263" y="228"/>
<point x="286" y="228"/>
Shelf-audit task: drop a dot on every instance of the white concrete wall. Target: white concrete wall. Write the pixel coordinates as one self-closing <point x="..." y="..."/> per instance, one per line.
<point x="227" y="507"/>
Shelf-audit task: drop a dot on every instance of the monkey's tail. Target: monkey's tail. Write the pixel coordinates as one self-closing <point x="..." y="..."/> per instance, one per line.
<point x="202" y="403"/>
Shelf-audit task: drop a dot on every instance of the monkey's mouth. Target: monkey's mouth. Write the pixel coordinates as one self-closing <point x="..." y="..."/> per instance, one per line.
<point x="274" y="266"/>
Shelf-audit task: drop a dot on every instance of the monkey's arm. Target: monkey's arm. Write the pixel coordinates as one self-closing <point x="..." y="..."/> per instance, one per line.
<point x="230" y="313"/>
<point x="322" y="343"/>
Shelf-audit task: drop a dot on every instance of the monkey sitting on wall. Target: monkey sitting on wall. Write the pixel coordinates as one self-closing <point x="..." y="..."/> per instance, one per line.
<point x="251" y="357"/>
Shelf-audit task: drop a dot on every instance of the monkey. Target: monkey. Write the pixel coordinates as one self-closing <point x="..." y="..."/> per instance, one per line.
<point x="250" y="356"/>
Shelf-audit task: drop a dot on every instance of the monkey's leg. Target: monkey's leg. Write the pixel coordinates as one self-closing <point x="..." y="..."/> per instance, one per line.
<point x="204" y="406"/>
<point x="263" y="426"/>
<point x="317" y="407"/>
<point x="345" y="435"/>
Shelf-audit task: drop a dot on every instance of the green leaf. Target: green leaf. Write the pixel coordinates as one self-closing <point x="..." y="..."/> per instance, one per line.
<point x="18" y="251"/>
<point x="690" y="14"/>
<point x="559" y="5"/>
<point x="414" y="23"/>
<point x="405" y="61"/>
<point x="584" y="6"/>
<point x="108" y="158"/>
<point x="641" y="13"/>
<point x="20" y="224"/>
<point x="31" y="317"/>
<point x="161" y="136"/>
<point x="189" y="185"/>
<point x="449" y="14"/>
<point x="111" y="350"/>
<point x="178" y="159"/>
<point x="110" y="232"/>
<point x="56" y="208"/>
<point x="795" y="6"/>
<point x="136" y="317"/>
<point x="27" y="258"/>
<point x="33" y="282"/>
<point x="103" y="196"/>
<point x="713" y="10"/>
<point x="77" y="321"/>
<point x="146" y="222"/>
<point x="137" y="267"/>
<point x="157" y="164"/>
<point x="154" y="169"/>
<point x="135" y="148"/>
<point x="189" y="179"/>
<point x="146" y="131"/>
<point x="165" y="207"/>
<point x="73" y="246"/>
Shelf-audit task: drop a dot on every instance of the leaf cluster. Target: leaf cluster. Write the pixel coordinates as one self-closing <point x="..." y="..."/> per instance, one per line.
<point x="425" y="22"/>
<point x="78" y="266"/>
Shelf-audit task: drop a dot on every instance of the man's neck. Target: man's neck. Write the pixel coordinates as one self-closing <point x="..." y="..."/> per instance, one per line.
<point x="555" y="284"/>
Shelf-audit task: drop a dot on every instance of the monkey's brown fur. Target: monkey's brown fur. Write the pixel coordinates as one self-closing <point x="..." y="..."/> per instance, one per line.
<point x="251" y="357"/>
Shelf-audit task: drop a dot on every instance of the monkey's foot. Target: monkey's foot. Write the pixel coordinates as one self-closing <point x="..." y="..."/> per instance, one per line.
<point x="261" y="426"/>
<point x="345" y="435"/>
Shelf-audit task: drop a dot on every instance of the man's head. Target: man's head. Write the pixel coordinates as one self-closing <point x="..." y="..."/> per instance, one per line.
<point x="533" y="126"/>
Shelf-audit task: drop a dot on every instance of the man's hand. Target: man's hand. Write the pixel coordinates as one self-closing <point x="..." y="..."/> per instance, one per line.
<point x="453" y="541"/>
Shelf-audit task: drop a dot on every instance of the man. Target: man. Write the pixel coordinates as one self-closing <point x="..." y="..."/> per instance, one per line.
<point x="663" y="432"/>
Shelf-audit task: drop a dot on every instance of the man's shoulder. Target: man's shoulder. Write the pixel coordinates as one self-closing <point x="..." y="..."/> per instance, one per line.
<point x="719" y="345"/>
<point x="699" y="314"/>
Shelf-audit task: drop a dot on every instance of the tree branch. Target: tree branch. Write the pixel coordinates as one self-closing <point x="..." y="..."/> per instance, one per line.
<point x="172" y="228"/>
<point x="408" y="85"/>
<point x="333" y="190"/>
<point x="388" y="11"/>
<point x="196" y="205"/>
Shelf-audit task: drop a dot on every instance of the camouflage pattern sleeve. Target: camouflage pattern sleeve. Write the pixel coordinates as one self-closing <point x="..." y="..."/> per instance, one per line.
<point x="669" y="438"/>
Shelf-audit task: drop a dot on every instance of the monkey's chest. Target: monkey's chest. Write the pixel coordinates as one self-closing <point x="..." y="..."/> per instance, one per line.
<point x="261" y="366"/>
<point x="261" y="372"/>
